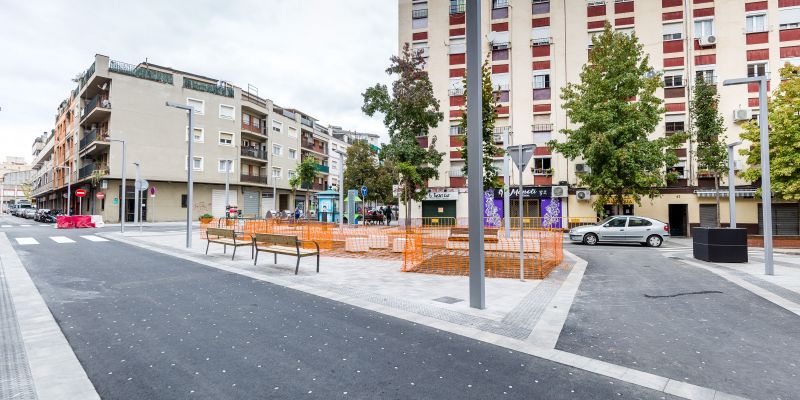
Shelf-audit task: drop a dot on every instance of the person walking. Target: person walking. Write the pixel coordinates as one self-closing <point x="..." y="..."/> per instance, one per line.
<point x="388" y="214"/>
<point x="297" y="213"/>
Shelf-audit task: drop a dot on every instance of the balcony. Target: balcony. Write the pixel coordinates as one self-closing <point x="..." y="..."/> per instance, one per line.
<point x="458" y="8"/>
<point x="419" y="14"/>
<point x="249" y="97"/>
<point x="93" y="141"/>
<point x="318" y="187"/>
<point x="86" y="171"/>
<point x="257" y="154"/>
<point x="323" y="168"/>
<point x="97" y="109"/>
<point x="139" y="72"/>
<point x="542" y="127"/>
<point x="260" y="179"/>
<point x="306" y="121"/>
<point x="200" y="86"/>
<point x="311" y="146"/>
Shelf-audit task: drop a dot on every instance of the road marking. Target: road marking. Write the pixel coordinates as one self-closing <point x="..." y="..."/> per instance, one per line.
<point x="27" y="240"/>
<point x="25" y="225"/>
<point x="61" y="239"/>
<point x="6" y="226"/>
<point x="94" y="238"/>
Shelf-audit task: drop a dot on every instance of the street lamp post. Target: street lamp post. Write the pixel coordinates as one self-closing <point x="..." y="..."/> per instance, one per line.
<point x="189" y="166"/>
<point x="477" y="279"/>
<point x="69" y="186"/>
<point x="124" y="189"/>
<point x="766" y="184"/>
<point x="137" y="214"/>
<point x="731" y="185"/>
<point x="341" y="188"/>
<point x="521" y="155"/>
<point x="506" y="195"/>
<point x="228" y="164"/>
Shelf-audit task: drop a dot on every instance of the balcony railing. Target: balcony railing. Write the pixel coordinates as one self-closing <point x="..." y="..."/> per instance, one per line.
<point x="264" y="180"/>
<point x="255" y="153"/>
<point x="194" y="84"/>
<point x="139" y="72"/>
<point x="86" y="170"/>
<point x="542" y="127"/>
<point x="419" y="14"/>
<point x="458" y="8"/>
<point x="89" y="137"/>
<point x="456" y="92"/>
<point x="246" y="96"/>
<point x="323" y="168"/>
<point x="306" y="121"/>
<point x="500" y="3"/>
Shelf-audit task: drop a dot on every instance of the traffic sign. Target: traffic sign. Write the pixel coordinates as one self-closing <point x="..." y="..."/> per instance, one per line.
<point x="80" y="192"/>
<point x="141" y="184"/>
<point x="100" y="195"/>
<point x="363" y="191"/>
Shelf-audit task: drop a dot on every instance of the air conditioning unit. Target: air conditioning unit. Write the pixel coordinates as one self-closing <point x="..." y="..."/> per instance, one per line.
<point x="583" y="195"/>
<point x="742" y="114"/>
<point x="582" y="168"/>
<point x="709" y="40"/>
<point x="559" y="191"/>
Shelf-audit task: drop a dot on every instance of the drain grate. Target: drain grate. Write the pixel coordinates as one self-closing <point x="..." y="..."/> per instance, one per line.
<point x="448" y="300"/>
<point x="15" y="376"/>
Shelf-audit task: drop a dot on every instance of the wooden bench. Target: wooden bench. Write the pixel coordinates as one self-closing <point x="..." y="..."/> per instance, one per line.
<point x="462" y="235"/>
<point x="283" y="244"/>
<point x="226" y="237"/>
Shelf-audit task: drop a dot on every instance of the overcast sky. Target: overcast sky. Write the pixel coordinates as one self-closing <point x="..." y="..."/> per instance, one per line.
<point x="314" y="55"/>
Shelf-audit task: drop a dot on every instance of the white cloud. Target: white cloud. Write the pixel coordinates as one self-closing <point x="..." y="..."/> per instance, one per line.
<point x="316" y="55"/>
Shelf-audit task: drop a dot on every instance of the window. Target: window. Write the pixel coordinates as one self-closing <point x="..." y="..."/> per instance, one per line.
<point x="246" y="119"/>
<point x="256" y="122"/>
<point x="199" y="136"/>
<point x="277" y="126"/>
<point x="633" y="222"/>
<point x="334" y="164"/>
<point x="458" y="45"/>
<point x="225" y="163"/>
<point x="456" y="87"/>
<point x="197" y="163"/>
<point x="423" y="46"/>
<point x="617" y="222"/>
<point x="673" y="31"/>
<point x="458" y="6"/>
<point x="199" y="105"/>
<point x="758" y="69"/>
<point x="226" y="111"/>
<point x="293" y="154"/>
<point x="419" y="10"/>
<point x="756" y="23"/>
<point x="540" y="36"/>
<point x="673" y="81"/>
<point x="456" y="130"/>
<point x="703" y="28"/>
<point x="542" y="166"/>
<point x="276" y="173"/>
<point x="419" y="23"/>
<point x="626" y="31"/>
<point x="499" y="3"/>
<point x="592" y="36"/>
<point x="292" y="132"/>
<point x="674" y="126"/>
<point x="789" y="18"/>
<point x="226" y="139"/>
<point x="277" y="150"/>
<point x="501" y="81"/>
<point x="541" y="81"/>
<point x="290" y="174"/>
<point x="706" y="75"/>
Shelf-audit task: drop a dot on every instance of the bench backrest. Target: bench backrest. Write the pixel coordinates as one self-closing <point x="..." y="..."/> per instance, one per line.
<point x="219" y="232"/>
<point x="278" y="240"/>
<point x="465" y="231"/>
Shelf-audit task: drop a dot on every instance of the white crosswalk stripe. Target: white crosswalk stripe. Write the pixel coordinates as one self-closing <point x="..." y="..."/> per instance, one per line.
<point x="27" y="240"/>
<point x="6" y="226"/>
<point x="61" y="239"/>
<point x="94" y="238"/>
<point x="25" y="225"/>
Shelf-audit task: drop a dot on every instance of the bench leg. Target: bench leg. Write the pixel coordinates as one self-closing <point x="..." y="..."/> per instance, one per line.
<point x="317" y="262"/>
<point x="297" y="267"/>
<point x="209" y="244"/>
<point x="234" y="252"/>
<point x="276" y="258"/>
<point x="224" y="249"/>
<point x="256" y="260"/>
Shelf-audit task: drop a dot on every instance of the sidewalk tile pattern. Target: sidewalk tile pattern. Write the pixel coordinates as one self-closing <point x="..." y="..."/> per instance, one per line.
<point x="15" y="376"/>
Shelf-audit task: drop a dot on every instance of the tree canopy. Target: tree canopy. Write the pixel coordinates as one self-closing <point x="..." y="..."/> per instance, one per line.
<point x="708" y="132"/>
<point x="784" y="138"/>
<point x="615" y="109"/>
<point x="363" y="169"/>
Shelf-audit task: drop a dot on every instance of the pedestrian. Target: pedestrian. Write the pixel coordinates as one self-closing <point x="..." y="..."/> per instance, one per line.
<point x="388" y="213"/>
<point x="297" y="213"/>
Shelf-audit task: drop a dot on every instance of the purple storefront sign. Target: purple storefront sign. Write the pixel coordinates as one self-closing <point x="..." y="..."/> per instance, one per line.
<point x="492" y="210"/>
<point x="551" y="212"/>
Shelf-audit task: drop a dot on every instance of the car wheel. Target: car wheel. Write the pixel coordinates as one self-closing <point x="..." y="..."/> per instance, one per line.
<point x="590" y="239"/>
<point x="654" y="241"/>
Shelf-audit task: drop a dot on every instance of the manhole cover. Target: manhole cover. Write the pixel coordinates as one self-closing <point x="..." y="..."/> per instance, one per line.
<point x="448" y="300"/>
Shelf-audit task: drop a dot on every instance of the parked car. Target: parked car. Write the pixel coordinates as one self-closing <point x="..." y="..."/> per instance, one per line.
<point x="622" y="228"/>
<point x="29" y="213"/>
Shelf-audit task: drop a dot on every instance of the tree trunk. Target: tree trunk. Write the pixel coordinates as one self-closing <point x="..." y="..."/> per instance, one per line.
<point x="716" y="192"/>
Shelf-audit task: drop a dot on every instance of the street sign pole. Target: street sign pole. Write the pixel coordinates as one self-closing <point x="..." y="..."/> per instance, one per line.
<point x="731" y="185"/>
<point x="137" y="186"/>
<point x="477" y="279"/>
<point x="521" y="155"/>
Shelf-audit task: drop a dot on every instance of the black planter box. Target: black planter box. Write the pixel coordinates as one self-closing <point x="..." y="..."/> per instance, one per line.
<point x="720" y="244"/>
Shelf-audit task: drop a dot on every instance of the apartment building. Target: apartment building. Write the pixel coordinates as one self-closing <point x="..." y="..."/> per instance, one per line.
<point x="240" y="138"/>
<point x="42" y="167"/>
<point x="15" y="174"/>
<point x="537" y="46"/>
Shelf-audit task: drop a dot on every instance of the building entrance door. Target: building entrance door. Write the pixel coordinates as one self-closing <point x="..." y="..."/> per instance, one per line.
<point x="678" y="218"/>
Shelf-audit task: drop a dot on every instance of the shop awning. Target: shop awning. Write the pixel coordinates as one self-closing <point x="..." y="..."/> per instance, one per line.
<point x="724" y="193"/>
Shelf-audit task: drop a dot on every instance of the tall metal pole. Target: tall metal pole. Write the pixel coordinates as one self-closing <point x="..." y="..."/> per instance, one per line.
<point x="275" y="194"/>
<point x="2" y="198"/>
<point x="506" y="195"/>
<point x="341" y="190"/>
<point x="124" y="182"/>
<point x="227" y="180"/>
<point x="731" y="186"/>
<point x="521" y="227"/>
<point x="69" y="190"/>
<point x="766" y="184"/>
<point x="477" y="288"/>
<point x="189" y="183"/>
<point x="136" y="207"/>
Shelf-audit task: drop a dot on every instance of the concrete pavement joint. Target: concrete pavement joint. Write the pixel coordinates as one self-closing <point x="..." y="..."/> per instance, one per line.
<point x="55" y="370"/>
<point x="625" y="374"/>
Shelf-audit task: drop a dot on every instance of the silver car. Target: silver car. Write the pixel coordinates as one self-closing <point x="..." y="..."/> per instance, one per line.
<point x="622" y="228"/>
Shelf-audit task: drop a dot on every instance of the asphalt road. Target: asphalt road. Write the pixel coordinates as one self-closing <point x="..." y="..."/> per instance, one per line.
<point x="149" y="326"/>
<point x="638" y="308"/>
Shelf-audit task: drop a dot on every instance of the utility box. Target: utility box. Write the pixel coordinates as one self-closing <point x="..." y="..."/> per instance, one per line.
<point x="720" y="244"/>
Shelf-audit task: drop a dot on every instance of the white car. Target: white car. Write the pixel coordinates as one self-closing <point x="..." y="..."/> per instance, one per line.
<point x="622" y="228"/>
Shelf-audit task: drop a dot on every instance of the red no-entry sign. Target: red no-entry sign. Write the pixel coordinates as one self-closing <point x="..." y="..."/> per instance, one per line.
<point x="80" y="193"/>
<point x="100" y="195"/>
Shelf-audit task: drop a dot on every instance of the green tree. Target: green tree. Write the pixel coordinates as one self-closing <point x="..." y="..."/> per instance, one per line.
<point x="306" y="174"/>
<point x="363" y="169"/>
<point x="615" y="109"/>
<point x="708" y="133"/>
<point x="784" y="138"/>
<point x="489" y="116"/>
<point x="411" y="110"/>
